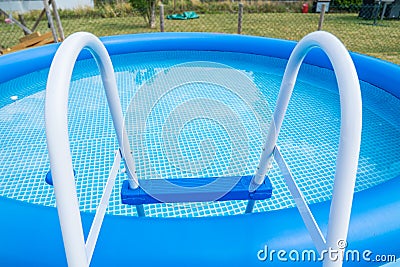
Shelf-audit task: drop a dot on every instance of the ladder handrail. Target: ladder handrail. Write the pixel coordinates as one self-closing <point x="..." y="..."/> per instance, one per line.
<point x="56" y="111"/>
<point x="350" y="130"/>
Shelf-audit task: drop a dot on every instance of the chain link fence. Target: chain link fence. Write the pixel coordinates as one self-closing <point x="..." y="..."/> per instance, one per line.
<point x="369" y="28"/>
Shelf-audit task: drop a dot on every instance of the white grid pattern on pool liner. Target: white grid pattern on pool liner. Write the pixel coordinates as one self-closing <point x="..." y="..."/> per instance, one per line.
<point x="196" y="131"/>
<point x="308" y="139"/>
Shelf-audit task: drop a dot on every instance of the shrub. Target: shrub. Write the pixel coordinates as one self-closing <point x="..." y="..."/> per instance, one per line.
<point x="348" y="5"/>
<point x="146" y="8"/>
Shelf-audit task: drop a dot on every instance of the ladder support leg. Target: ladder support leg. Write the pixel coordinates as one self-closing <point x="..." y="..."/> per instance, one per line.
<point x="140" y="211"/>
<point x="250" y="206"/>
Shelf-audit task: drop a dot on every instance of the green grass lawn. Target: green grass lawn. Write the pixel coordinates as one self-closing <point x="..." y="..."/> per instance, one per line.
<point x="358" y="35"/>
<point x="382" y="40"/>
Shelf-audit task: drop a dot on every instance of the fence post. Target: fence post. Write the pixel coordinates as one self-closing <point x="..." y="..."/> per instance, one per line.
<point x="58" y="21"/>
<point x="321" y="17"/>
<point x="240" y="18"/>
<point x="161" y="18"/>
<point x="50" y="20"/>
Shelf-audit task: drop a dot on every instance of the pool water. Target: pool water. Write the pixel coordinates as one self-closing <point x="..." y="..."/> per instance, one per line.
<point x="205" y="145"/>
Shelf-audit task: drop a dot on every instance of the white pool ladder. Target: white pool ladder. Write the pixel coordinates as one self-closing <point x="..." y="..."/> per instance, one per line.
<point x="79" y="253"/>
<point x="349" y="142"/>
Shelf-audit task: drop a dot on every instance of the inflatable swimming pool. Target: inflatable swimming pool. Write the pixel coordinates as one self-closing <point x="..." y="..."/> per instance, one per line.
<point x="31" y="233"/>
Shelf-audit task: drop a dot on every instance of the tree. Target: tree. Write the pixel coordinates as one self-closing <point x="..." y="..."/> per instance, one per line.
<point x="147" y="8"/>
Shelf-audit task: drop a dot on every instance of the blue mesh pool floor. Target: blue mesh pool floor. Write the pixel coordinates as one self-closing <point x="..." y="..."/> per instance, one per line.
<point x="308" y="140"/>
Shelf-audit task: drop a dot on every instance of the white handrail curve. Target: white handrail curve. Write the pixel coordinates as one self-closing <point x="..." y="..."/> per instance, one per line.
<point x="56" y="110"/>
<point x="350" y="130"/>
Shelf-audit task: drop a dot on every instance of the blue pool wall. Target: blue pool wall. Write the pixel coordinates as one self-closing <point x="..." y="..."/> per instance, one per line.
<point x="30" y="234"/>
